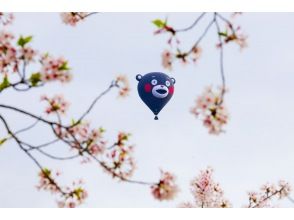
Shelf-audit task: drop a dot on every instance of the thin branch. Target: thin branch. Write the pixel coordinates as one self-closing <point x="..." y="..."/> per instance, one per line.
<point x="44" y="145"/>
<point x="268" y="197"/>
<point x="113" y="84"/>
<point x="202" y="36"/>
<point x="192" y="25"/>
<point x="221" y="60"/>
<point x="27" y="128"/>
<point x="226" y="21"/>
<point x="118" y="176"/>
<point x="29" y="114"/>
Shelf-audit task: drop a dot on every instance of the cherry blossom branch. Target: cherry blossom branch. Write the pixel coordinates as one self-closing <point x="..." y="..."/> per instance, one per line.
<point x="112" y="85"/>
<point x="20" y="144"/>
<point x="118" y="176"/>
<point x="208" y="194"/>
<point x="221" y="62"/>
<point x="73" y="18"/>
<point x="209" y="106"/>
<point x="268" y="192"/>
<point x="117" y="160"/>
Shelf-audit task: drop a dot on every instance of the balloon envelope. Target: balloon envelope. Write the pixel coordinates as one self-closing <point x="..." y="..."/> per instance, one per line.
<point x="155" y="89"/>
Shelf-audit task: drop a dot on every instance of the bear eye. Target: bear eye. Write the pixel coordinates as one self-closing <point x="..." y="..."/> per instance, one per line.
<point x="167" y="83"/>
<point x="154" y="82"/>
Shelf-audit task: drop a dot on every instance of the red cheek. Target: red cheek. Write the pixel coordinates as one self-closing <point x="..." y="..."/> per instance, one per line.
<point x="147" y="87"/>
<point x="171" y="90"/>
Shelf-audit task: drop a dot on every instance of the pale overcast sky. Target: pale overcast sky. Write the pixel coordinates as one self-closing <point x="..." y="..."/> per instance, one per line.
<point x="258" y="145"/>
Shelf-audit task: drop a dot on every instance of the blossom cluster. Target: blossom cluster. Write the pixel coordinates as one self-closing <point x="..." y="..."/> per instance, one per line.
<point x="119" y="160"/>
<point x="72" y="18"/>
<point x="54" y="69"/>
<point x="56" y="104"/>
<point x="11" y="54"/>
<point x="209" y="107"/>
<point x="6" y="18"/>
<point x="16" y="55"/>
<point x="267" y="193"/>
<point x="123" y="84"/>
<point x="232" y="34"/>
<point x="166" y="188"/>
<point x="168" y="57"/>
<point x="68" y="197"/>
<point x="206" y="192"/>
<point x="83" y="138"/>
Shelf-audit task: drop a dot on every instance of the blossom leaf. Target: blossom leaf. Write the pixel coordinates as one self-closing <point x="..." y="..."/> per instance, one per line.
<point x="35" y="79"/>
<point x="5" y="83"/>
<point x="159" y="23"/>
<point x="224" y="34"/>
<point x="2" y="141"/>
<point x="64" y="66"/>
<point x="22" y="41"/>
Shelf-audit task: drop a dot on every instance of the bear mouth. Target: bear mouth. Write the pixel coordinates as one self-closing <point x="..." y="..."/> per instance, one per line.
<point x="161" y="91"/>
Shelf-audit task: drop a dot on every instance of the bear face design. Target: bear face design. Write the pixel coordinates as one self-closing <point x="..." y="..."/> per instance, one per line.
<point x="155" y="89"/>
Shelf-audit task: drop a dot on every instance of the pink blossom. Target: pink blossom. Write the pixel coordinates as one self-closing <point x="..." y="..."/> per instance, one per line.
<point x="123" y="84"/>
<point x="6" y="18"/>
<point x="165" y="189"/>
<point x="196" y="54"/>
<point x="83" y="138"/>
<point x="268" y="192"/>
<point x="28" y="54"/>
<point x="206" y="192"/>
<point x="72" y="18"/>
<point x="211" y="110"/>
<point x="235" y="35"/>
<point x="167" y="59"/>
<point x="54" y="69"/>
<point x="68" y="197"/>
<point x="119" y="160"/>
<point x="8" y="53"/>
<point x="57" y="104"/>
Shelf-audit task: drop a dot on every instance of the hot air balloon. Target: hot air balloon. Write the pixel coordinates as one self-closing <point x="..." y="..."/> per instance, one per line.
<point x="155" y="89"/>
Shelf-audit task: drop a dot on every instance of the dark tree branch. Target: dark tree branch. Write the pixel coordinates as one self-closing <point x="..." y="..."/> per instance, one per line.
<point x="192" y="25"/>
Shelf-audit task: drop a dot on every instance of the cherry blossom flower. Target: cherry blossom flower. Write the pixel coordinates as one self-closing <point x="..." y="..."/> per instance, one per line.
<point x="196" y="53"/>
<point x="68" y="197"/>
<point x="83" y="139"/>
<point x="123" y="85"/>
<point x="163" y="27"/>
<point x="267" y="193"/>
<point x="57" y="104"/>
<point x="165" y="189"/>
<point x="234" y="35"/>
<point x="54" y="69"/>
<point x="167" y="59"/>
<point x="46" y="182"/>
<point x="119" y="161"/>
<point x="211" y="110"/>
<point x="6" y="18"/>
<point x="206" y="192"/>
<point x="28" y="54"/>
<point x="72" y="18"/>
<point x="8" y="53"/>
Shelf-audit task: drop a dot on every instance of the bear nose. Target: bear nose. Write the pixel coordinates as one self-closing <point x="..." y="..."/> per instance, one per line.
<point x="161" y="86"/>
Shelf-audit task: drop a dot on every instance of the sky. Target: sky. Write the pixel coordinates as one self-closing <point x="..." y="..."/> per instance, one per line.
<point x="256" y="148"/>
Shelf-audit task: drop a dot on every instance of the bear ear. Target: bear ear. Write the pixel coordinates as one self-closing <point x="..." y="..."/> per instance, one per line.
<point x="174" y="81"/>
<point x="138" y="77"/>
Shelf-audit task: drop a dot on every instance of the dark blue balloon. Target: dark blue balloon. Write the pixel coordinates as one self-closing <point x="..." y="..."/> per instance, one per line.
<point x="155" y="89"/>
